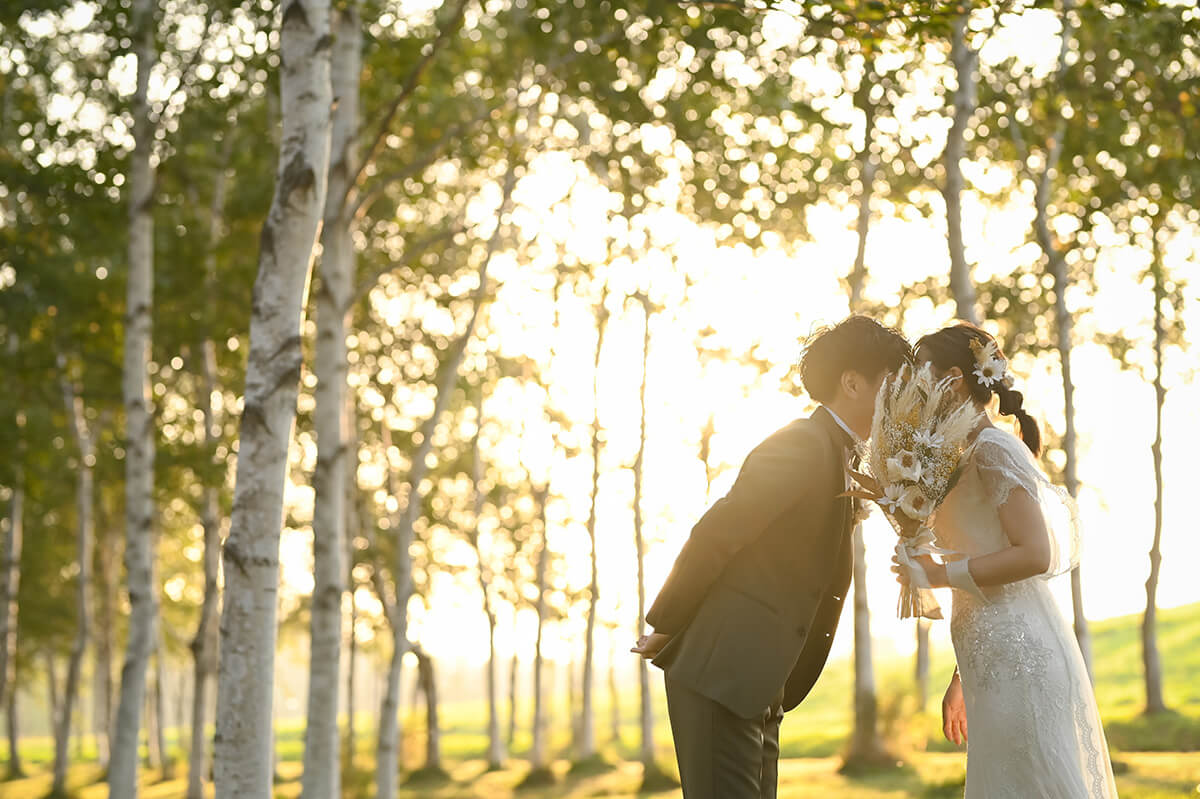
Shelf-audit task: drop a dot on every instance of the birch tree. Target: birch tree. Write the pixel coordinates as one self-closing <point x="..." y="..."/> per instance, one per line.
<point x="965" y="61"/>
<point x="586" y="744"/>
<point x="496" y="753"/>
<point x="322" y="767"/>
<point x="139" y="421"/>
<point x="85" y="535"/>
<point x="244" y="737"/>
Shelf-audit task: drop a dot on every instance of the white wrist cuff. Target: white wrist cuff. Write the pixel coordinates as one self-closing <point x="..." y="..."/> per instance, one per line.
<point x="959" y="576"/>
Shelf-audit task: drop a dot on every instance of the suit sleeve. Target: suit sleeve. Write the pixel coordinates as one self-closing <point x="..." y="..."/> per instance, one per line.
<point x="783" y="471"/>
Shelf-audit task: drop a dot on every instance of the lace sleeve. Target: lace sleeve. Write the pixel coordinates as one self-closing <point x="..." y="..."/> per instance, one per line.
<point x="1004" y="463"/>
<point x="1001" y="470"/>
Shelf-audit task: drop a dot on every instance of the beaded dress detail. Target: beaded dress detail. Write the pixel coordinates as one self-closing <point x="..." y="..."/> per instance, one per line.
<point x="1032" y="722"/>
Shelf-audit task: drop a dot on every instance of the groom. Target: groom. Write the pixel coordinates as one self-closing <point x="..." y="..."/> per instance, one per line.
<point x="743" y="623"/>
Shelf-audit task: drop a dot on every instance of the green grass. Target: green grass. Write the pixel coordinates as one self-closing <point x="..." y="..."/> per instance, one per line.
<point x="1156" y="757"/>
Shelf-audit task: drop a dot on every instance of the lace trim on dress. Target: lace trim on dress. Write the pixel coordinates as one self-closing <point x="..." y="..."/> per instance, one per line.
<point x="1004" y="463"/>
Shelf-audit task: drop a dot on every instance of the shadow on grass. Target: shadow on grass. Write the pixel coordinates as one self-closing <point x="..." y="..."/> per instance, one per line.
<point x="591" y="766"/>
<point x="1169" y="731"/>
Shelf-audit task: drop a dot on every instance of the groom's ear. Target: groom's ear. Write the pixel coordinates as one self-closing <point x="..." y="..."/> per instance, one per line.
<point x="852" y="383"/>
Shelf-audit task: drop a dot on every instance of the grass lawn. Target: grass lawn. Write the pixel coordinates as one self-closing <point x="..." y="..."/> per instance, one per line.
<point x="1155" y="757"/>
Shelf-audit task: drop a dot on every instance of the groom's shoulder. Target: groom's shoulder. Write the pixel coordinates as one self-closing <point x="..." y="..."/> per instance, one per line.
<point x="803" y="436"/>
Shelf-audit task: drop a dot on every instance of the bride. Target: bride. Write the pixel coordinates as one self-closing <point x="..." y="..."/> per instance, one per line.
<point x="1034" y="725"/>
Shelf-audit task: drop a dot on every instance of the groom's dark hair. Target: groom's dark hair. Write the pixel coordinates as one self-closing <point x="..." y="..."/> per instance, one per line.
<point x="857" y="343"/>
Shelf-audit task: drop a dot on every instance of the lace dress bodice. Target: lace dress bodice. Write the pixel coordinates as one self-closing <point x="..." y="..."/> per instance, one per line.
<point x="1033" y="726"/>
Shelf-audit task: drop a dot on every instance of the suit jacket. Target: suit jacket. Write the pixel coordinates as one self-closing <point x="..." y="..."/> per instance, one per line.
<point x="755" y="594"/>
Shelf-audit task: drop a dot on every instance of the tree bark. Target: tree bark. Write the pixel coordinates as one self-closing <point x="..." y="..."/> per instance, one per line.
<point x="1152" y="664"/>
<point x="160" y="715"/>
<point x="866" y="748"/>
<point x="10" y="581"/>
<point x="85" y="534"/>
<point x="139" y="422"/>
<point x="965" y="61"/>
<point x="513" y="669"/>
<point x="495" y="752"/>
<point x="102" y="666"/>
<point x="386" y="765"/>
<point x="586" y="742"/>
<point x="322" y="766"/>
<point x="647" y="708"/>
<point x="352" y="527"/>
<point x="922" y="664"/>
<point x="613" y="694"/>
<point x="539" y="758"/>
<point x="204" y="645"/>
<point x="428" y="681"/>
<point x="244" y="739"/>
<point x="15" y="769"/>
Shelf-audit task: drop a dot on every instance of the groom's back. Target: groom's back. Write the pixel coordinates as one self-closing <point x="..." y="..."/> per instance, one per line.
<point x="755" y="593"/>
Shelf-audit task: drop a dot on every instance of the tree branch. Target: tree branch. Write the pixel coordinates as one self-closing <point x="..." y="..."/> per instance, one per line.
<point x="408" y="87"/>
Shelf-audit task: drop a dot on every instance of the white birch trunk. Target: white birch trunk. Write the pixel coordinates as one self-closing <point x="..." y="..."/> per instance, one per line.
<point x="614" y="695"/>
<point x="352" y="528"/>
<point x="10" y="583"/>
<point x="322" y="766"/>
<point x="865" y="745"/>
<point x="160" y="714"/>
<point x="921" y="668"/>
<point x="386" y="755"/>
<point x="495" y="752"/>
<point x="586" y="743"/>
<point x="427" y="678"/>
<point x="139" y="423"/>
<point x="647" y="708"/>
<point x="1151" y="662"/>
<point x="244" y="737"/>
<point x="513" y="670"/>
<point x="539" y="758"/>
<point x="85" y="534"/>
<point x="206" y="641"/>
<point x="965" y="61"/>
<point x="102" y="654"/>
<point x="15" y="770"/>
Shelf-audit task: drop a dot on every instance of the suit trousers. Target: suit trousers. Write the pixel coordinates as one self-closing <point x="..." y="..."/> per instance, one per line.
<point x="722" y="755"/>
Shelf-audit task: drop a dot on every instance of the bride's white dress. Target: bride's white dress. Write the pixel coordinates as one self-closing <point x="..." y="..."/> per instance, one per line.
<point x="1033" y="725"/>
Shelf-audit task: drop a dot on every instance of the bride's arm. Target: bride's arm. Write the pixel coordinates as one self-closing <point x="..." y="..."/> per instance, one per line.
<point x="1027" y="555"/>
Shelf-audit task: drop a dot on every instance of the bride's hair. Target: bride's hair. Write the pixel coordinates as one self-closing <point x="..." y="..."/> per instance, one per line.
<point x="951" y="346"/>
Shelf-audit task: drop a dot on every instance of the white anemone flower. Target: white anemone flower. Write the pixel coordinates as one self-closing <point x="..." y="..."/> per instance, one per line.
<point x="990" y="371"/>
<point x="915" y="504"/>
<point x="904" y="466"/>
<point x="892" y="494"/>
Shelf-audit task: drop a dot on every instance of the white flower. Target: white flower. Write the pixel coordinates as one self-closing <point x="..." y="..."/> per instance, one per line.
<point x="928" y="438"/>
<point x="915" y="504"/>
<point x="905" y="466"/>
<point x="892" y="495"/>
<point x="990" y="371"/>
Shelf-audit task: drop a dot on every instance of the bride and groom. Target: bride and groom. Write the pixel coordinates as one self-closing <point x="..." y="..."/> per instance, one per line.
<point x="743" y="624"/>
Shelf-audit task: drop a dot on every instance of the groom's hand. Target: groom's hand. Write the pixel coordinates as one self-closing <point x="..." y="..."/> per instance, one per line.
<point x="954" y="713"/>
<point x="648" y="646"/>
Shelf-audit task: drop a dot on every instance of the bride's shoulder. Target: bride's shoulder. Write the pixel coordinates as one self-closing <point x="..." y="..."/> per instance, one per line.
<point x="997" y="447"/>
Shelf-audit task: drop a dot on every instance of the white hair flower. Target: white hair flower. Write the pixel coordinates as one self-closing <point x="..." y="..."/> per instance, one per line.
<point x="990" y="368"/>
<point x="904" y="466"/>
<point x="991" y="371"/>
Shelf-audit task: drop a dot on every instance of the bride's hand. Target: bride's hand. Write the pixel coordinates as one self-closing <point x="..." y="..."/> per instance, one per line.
<point x="935" y="573"/>
<point x="954" y="713"/>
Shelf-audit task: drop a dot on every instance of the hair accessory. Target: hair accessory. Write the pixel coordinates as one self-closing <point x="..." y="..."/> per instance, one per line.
<point x="989" y="366"/>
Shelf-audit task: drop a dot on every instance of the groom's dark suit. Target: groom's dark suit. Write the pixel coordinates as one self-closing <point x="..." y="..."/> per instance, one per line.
<point x="751" y="606"/>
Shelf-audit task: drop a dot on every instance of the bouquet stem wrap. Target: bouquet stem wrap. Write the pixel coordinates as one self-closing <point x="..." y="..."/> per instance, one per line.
<point x="916" y="596"/>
